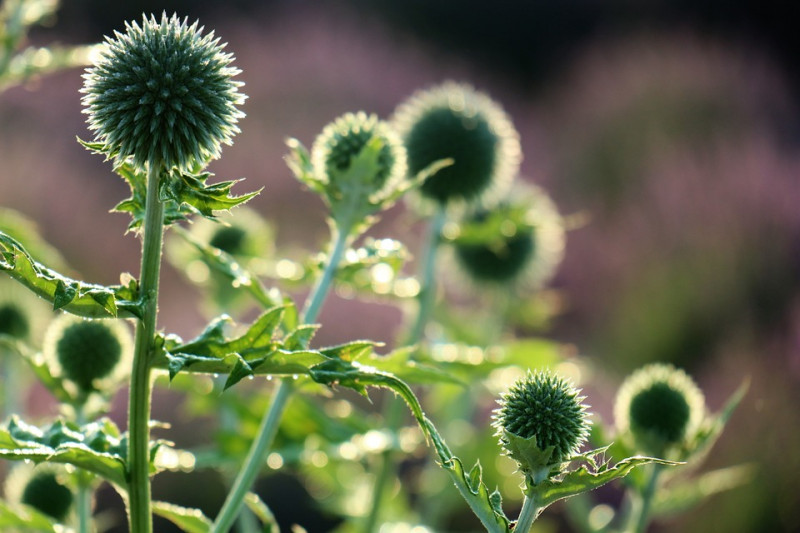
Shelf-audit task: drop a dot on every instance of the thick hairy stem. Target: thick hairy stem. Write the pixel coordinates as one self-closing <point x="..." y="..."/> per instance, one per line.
<point x="139" y="513"/>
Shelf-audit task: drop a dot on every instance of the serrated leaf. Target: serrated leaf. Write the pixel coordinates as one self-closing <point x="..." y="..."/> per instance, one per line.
<point x="76" y="297"/>
<point x="192" y="190"/>
<point x="299" y="162"/>
<point x="350" y="351"/>
<point x="262" y="512"/>
<point x="189" y="520"/>
<point x="239" y="371"/>
<point x="584" y="479"/>
<point x="95" y="447"/>
<point x="300" y="337"/>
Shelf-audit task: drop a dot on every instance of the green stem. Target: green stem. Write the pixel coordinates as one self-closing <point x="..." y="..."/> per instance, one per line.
<point x="83" y="497"/>
<point x="530" y="512"/>
<point x="641" y="517"/>
<point x="320" y="291"/>
<point x="269" y="424"/>
<point x="393" y="409"/>
<point x="140" y="517"/>
<point x="427" y="291"/>
<point x="255" y="458"/>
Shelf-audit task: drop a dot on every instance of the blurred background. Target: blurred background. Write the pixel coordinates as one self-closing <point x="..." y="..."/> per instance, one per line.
<point x="671" y="129"/>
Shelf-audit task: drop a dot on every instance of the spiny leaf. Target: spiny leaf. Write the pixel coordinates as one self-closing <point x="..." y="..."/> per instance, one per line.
<point x="299" y="338"/>
<point x="189" y="520"/>
<point x="191" y="190"/>
<point x="96" y="447"/>
<point x="76" y="297"/>
<point x="587" y="478"/>
<point x="239" y="371"/>
<point x="350" y="351"/>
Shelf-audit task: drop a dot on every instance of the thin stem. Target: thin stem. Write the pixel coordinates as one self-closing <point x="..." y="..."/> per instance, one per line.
<point x="530" y="512"/>
<point x="84" y="495"/>
<point x="140" y="517"/>
<point x="393" y="409"/>
<point x="255" y="458"/>
<point x="320" y="291"/>
<point x="427" y="291"/>
<point x="269" y="424"/>
<point x="640" y="519"/>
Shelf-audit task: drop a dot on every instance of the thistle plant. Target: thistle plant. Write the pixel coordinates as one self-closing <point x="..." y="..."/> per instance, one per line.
<point x="162" y="97"/>
<point x="161" y="101"/>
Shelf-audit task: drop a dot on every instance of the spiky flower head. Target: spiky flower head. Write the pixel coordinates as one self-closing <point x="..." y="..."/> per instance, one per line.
<point x="660" y="406"/>
<point x="43" y="487"/>
<point x="163" y="93"/>
<point x="89" y="353"/>
<point x="359" y="162"/>
<point x="541" y="422"/>
<point x="456" y="121"/>
<point x="519" y="241"/>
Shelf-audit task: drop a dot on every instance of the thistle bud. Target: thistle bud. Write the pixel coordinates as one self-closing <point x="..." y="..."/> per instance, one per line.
<point x="541" y="422"/>
<point x="88" y="353"/>
<point x="162" y="92"/>
<point x="660" y="407"/>
<point x="455" y="121"/>
<point x="43" y="487"/>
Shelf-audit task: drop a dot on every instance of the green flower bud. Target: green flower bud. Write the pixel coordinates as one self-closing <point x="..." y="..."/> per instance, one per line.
<point x="23" y="315"/>
<point x="343" y="140"/>
<point x="42" y="487"/>
<point x="519" y="241"/>
<point x="455" y="121"/>
<point x="13" y="321"/>
<point x="162" y="92"/>
<point x="88" y="353"/>
<point x="541" y="422"/>
<point x="660" y="407"/>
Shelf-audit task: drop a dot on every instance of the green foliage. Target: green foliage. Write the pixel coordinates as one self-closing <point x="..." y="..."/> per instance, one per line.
<point x="76" y="297"/>
<point x="26" y="519"/>
<point x="97" y="447"/>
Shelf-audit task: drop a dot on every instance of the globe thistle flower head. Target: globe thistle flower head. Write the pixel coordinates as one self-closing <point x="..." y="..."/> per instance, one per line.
<point x="660" y="406"/>
<point x="455" y="121"/>
<point x="541" y="422"/>
<point x="341" y="141"/>
<point x="519" y="241"/>
<point x="163" y="92"/>
<point x="13" y="321"/>
<point x="90" y="354"/>
<point x="23" y="315"/>
<point x="43" y="487"/>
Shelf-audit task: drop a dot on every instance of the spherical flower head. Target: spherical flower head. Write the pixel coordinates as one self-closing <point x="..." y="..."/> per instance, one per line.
<point x="499" y="261"/>
<point x="43" y="487"/>
<point x="342" y="140"/>
<point x="541" y="422"/>
<point x="163" y="93"/>
<point x="660" y="406"/>
<point x="13" y="321"/>
<point x="520" y="241"/>
<point x="23" y="315"/>
<point x="88" y="353"/>
<point x="455" y="121"/>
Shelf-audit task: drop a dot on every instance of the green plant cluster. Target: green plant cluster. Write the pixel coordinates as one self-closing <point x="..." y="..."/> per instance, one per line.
<point x="161" y="101"/>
